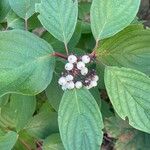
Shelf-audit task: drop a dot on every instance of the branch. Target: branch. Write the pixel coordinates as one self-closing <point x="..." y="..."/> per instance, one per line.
<point x="26" y="24"/>
<point x="66" y="48"/>
<point x="56" y="54"/>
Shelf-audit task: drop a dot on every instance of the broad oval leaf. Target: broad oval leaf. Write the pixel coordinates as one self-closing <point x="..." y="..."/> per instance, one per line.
<point x="127" y="137"/>
<point x="54" y="92"/>
<point x="129" y="92"/>
<point x="53" y="142"/>
<point x="4" y="9"/>
<point x="129" y="48"/>
<point x="80" y="121"/>
<point x="26" y="64"/>
<point x="59" y="17"/>
<point x="23" y="8"/>
<point x="43" y="124"/>
<point x="111" y="16"/>
<point x="14" y="22"/>
<point x="18" y="111"/>
<point x="8" y="140"/>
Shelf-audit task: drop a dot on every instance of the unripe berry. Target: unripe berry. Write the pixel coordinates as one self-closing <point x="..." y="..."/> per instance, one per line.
<point x="86" y="59"/>
<point x="80" y="65"/>
<point x="69" y="66"/>
<point x="70" y="85"/>
<point x="62" y="81"/>
<point x="72" y="59"/>
<point x="84" y="71"/>
<point x="78" y="84"/>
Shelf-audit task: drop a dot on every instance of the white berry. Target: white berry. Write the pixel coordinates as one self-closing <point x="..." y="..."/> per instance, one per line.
<point x="80" y="65"/>
<point x="89" y="87"/>
<point x="78" y="84"/>
<point x="64" y="87"/>
<point x="69" y="66"/>
<point x="96" y="78"/>
<point x="84" y="71"/>
<point x="86" y="59"/>
<point x="93" y="83"/>
<point x="72" y="59"/>
<point x="70" y="85"/>
<point x="69" y="77"/>
<point x="62" y="81"/>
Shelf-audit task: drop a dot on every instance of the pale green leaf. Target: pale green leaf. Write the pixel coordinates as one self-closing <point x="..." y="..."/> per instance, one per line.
<point x="129" y="48"/>
<point x="111" y="16"/>
<point x="26" y="64"/>
<point x="53" y="142"/>
<point x="4" y="9"/>
<point x="23" y="8"/>
<point x="25" y="138"/>
<point x="18" y="111"/>
<point x="4" y="99"/>
<point x="129" y="92"/>
<point x="43" y="124"/>
<point x="54" y="91"/>
<point x="59" y="17"/>
<point x="14" y="21"/>
<point x="115" y="126"/>
<point x="134" y="140"/>
<point x="8" y="140"/>
<point x="127" y="137"/>
<point x="80" y="121"/>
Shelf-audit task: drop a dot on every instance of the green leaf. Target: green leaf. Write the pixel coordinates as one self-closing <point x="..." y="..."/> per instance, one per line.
<point x="23" y="8"/>
<point x="133" y="140"/>
<point x="129" y="92"/>
<point x="4" y="100"/>
<point x="43" y="124"/>
<point x="53" y="142"/>
<point x="54" y="91"/>
<point x="33" y="22"/>
<point x="129" y="48"/>
<point x="84" y="11"/>
<point x="127" y="137"/>
<point x="14" y="22"/>
<point x="18" y="112"/>
<point x="58" y="45"/>
<point x="59" y="17"/>
<point x="115" y="126"/>
<point x="4" y="9"/>
<point x="25" y="67"/>
<point x="80" y="121"/>
<point x="76" y="36"/>
<point x="25" y="138"/>
<point x="22" y="109"/>
<point x="110" y="17"/>
<point x="8" y="140"/>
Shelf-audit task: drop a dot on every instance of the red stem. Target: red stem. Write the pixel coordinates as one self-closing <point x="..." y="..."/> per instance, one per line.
<point x="95" y="48"/>
<point x="60" y="55"/>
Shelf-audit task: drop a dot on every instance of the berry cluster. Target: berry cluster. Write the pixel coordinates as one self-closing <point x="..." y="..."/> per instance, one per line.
<point x="77" y="75"/>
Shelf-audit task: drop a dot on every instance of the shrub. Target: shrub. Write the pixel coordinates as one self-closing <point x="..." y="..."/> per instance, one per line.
<point x="73" y="75"/>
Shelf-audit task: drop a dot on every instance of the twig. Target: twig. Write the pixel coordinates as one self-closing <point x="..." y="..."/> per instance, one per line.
<point x="95" y="48"/>
<point x="66" y="48"/>
<point x="26" y="24"/>
<point x="59" y="55"/>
